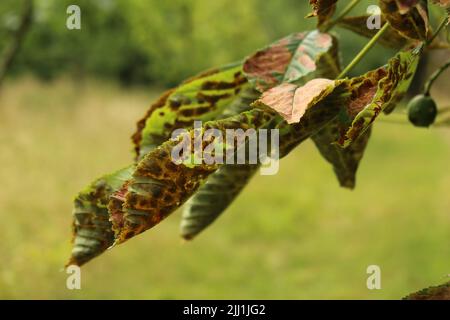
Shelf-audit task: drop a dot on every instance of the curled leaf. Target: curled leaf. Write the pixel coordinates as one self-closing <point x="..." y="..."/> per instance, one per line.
<point x="92" y="230"/>
<point x="287" y="60"/>
<point x="221" y="187"/>
<point x="292" y="101"/>
<point x="345" y="161"/>
<point x="374" y="92"/>
<point x="159" y="186"/>
<point x="203" y="98"/>
<point x="410" y="19"/>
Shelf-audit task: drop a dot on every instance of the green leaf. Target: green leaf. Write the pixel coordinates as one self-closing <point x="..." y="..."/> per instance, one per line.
<point x="202" y="98"/>
<point x="444" y="4"/>
<point x="323" y="10"/>
<point x="291" y="59"/>
<point x="410" y="20"/>
<point x="212" y="198"/>
<point x="92" y="230"/>
<point x="390" y="38"/>
<point x="375" y="92"/>
<point x="345" y="162"/>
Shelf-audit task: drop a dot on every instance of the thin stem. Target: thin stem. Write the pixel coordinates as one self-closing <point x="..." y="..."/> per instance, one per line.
<point x="341" y="15"/>
<point x="364" y="51"/>
<point x="434" y="77"/>
<point x="441" y="26"/>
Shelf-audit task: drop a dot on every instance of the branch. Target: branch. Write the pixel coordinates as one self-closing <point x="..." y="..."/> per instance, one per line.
<point x="364" y="51"/>
<point x="435" y="76"/>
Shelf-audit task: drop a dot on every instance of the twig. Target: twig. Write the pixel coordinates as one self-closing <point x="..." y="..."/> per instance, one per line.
<point x="364" y="51"/>
<point x="341" y="15"/>
<point x="441" y="26"/>
<point x="434" y="77"/>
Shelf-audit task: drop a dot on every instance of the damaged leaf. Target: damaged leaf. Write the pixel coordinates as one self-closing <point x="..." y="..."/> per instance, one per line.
<point x="346" y="161"/>
<point x="289" y="60"/>
<point x="374" y="92"/>
<point x="92" y="230"/>
<point x="201" y="98"/>
<point x="413" y="23"/>
<point x="221" y="187"/>
<point x="292" y="101"/>
<point x="159" y="186"/>
<point x="432" y="293"/>
<point x="323" y="10"/>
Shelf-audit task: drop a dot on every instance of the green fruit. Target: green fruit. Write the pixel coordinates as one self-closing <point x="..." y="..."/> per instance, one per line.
<point x="422" y="111"/>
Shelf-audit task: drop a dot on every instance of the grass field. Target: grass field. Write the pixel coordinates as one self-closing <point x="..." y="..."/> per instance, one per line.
<point x="294" y="235"/>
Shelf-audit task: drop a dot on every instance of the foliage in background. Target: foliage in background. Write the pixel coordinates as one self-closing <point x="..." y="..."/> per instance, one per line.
<point x="152" y="41"/>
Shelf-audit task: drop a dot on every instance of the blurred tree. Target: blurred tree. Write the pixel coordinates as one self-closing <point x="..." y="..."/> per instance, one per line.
<point x="158" y="42"/>
<point x="20" y="28"/>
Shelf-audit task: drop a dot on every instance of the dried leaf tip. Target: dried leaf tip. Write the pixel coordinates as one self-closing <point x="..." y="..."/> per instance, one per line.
<point x="292" y="101"/>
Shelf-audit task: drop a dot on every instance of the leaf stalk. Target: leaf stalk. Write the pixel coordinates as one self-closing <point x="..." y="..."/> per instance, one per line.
<point x="364" y="51"/>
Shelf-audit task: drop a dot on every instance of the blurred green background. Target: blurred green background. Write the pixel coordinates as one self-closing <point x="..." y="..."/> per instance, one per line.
<point x="69" y="106"/>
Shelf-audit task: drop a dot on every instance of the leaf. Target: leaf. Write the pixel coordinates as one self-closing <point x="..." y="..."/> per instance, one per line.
<point x="323" y="10"/>
<point x="404" y="6"/>
<point x="222" y="187"/>
<point x="444" y="4"/>
<point x="159" y="186"/>
<point x="290" y="59"/>
<point x="202" y="98"/>
<point x="441" y="292"/>
<point x="374" y="92"/>
<point x="390" y="38"/>
<point x="413" y="23"/>
<point x="345" y="161"/>
<point x="318" y="116"/>
<point x="292" y="101"/>
<point x="212" y="198"/>
<point x="92" y="230"/>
